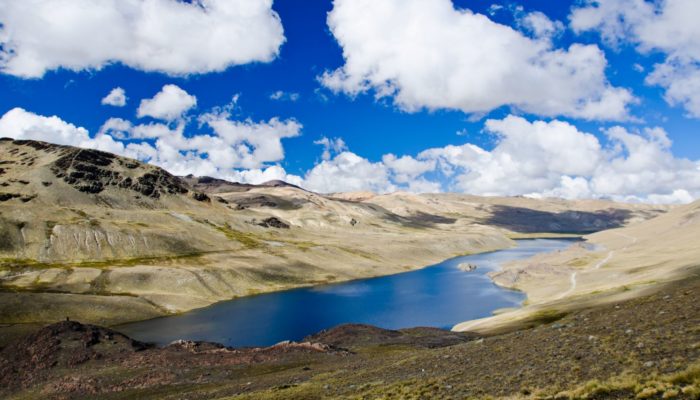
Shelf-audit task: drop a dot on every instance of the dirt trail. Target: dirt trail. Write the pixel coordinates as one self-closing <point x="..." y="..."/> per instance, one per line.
<point x="608" y="257"/>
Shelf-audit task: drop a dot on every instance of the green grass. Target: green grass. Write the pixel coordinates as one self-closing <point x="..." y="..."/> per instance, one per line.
<point x="544" y="317"/>
<point x="669" y="386"/>
<point x="248" y="240"/>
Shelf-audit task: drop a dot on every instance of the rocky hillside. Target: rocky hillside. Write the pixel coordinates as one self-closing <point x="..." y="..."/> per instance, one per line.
<point x="83" y="227"/>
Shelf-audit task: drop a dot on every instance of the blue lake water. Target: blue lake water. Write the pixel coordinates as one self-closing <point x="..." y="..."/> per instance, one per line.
<point x="439" y="296"/>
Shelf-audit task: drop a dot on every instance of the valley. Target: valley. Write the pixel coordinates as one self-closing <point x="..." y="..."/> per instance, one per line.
<point x="91" y="240"/>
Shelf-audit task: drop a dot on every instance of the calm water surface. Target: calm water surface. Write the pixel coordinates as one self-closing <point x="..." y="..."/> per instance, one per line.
<point x="439" y="296"/>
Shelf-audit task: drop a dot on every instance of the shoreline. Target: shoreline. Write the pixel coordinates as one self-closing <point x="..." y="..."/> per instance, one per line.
<point x="430" y="261"/>
<point x="378" y="314"/>
<point x="429" y="257"/>
<point x="340" y="282"/>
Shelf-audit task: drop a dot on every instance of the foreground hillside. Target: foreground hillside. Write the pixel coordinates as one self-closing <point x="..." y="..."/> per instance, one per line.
<point x="646" y="348"/>
<point x="105" y="239"/>
<point x="611" y="265"/>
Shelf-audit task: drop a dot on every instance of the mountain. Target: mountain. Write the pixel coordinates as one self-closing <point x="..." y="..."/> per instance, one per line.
<point x="107" y="239"/>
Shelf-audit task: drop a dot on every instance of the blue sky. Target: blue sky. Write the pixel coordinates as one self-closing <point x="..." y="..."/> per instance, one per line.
<point x="373" y="127"/>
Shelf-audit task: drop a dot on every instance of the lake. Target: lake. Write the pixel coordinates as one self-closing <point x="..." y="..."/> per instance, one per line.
<point x="439" y="296"/>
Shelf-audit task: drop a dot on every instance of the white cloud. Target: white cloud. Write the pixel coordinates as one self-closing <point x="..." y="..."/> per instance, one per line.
<point x="285" y="96"/>
<point x="245" y="144"/>
<point x="348" y="172"/>
<point x="427" y="54"/>
<point x="331" y="146"/>
<point x="532" y="158"/>
<point x="233" y="145"/>
<point x="344" y="171"/>
<point x="242" y="150"/>
<point x="540" y="25"/>
<point x="116" y="127"/>
<point x="117" y="98"/>
<point x="169" y="104"/>
<point x="21" y="124"/>
<point x="170" y="36"/>
<point x="494" y="9"/>
<point x="406" y="169"/>
<point x="668" y="26"/>
<point x="529" y="157"/>
<point x="544" y="159"/>
<point x="682" y="84"/>
<point x="641" y="166"/>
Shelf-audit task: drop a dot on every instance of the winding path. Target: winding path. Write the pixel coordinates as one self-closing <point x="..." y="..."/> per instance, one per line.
<point x="611" y="253"/>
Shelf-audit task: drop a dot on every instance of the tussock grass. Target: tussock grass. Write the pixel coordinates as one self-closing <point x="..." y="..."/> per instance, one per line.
<point x="684" y="384"/>
<point x="544" y="317"/>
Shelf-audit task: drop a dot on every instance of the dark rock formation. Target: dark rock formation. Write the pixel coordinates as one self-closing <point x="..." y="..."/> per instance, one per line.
<point x="8" y="196"/>
<point x="256" y="201"/>
<point x="92" y="171"/>
<point x="274" y="222"/>
<point x="200" y="197"/>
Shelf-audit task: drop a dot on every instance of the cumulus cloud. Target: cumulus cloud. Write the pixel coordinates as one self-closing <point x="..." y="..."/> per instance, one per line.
<point x="169" y="104"/>
<point x="641" y="166"/>
<point x="529" y="157"/>
<point x="532" y="158"/>
<point x="246" y="144"/>
<point x="348" y="172"/>
<point x="668" y="26"/>
<point x="406" y="169"/>
<point x="232" y="145"/>
<point x="244" y="151"/>
<point x="116" y="98"/>
<point x="342" y="171"/>
<point x="116" y="127"/>
<point x="555" y="159"/>
<point x="169" y="36"/>
<point x="19" y="123"/>
<point x="427" y="54"/>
